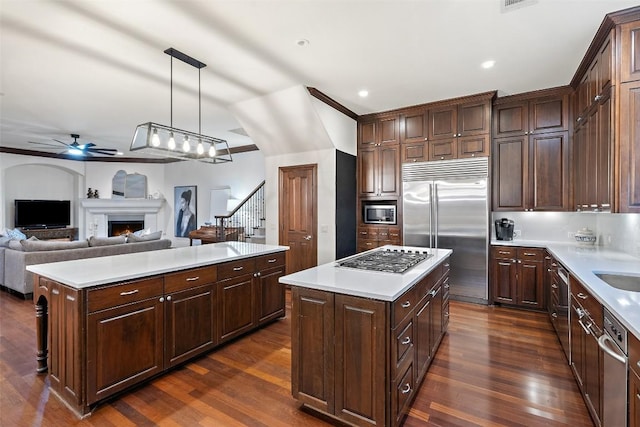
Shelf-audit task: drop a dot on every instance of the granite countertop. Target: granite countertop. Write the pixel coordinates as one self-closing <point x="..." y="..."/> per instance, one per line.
<point x="362" y="283"/>
<point x="583" y="262"/>
<point x="84" y="273"/>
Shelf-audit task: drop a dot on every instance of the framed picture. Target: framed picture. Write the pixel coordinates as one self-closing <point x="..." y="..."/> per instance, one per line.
<point x="185" y="206"/>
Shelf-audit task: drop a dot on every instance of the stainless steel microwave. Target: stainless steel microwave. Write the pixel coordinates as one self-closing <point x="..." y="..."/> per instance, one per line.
<point x="379" y="214"/>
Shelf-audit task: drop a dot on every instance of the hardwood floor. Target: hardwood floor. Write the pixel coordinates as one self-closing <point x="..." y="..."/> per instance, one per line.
<point x="495" y="367"/>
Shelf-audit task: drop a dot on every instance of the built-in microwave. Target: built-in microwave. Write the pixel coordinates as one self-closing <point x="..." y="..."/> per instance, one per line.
<point x="379" y="214"/>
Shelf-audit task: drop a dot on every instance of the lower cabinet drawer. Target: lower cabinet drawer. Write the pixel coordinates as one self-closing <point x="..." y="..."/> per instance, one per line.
<point x="124" y="293"/>
<point x="402" y="391"/>
<point x="403" y="345"/>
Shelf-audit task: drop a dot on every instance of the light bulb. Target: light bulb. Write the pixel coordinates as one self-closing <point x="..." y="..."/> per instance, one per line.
<point x="155" y="139"/>
<point x="185" y="145"/>
<point x="212" y="151"/>
<point x="200" y="147"/>
<point x="172" y="142"/>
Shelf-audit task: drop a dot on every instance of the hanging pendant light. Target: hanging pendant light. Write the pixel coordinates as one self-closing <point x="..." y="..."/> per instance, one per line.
<point x="150" y="136"/>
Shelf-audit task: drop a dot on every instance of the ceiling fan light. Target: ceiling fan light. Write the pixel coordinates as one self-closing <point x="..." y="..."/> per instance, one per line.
<point x="212" y="151"/>
<point x="155" y="139"/>
<point x="172" y="142"/>
<point x="75" y="152"/>
<point x="185" y="145"/>
<point x="200" y="148"/>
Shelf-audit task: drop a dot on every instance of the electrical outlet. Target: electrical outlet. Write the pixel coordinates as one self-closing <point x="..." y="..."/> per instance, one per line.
<point x="517" y="233"/>
<point x="571" y="235"/>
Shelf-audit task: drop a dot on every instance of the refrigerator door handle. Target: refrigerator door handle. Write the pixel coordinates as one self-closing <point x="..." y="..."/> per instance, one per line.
<point x="431" y="216"/>
<point x="434" y="204"/>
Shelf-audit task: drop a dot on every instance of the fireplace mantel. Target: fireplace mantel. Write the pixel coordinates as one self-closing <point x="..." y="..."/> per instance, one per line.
<point x="97" y="212"/>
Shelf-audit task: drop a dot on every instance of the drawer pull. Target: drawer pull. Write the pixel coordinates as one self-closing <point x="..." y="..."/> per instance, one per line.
<point x="446" y="285"/>
<point x="271" y="261"/>
<point x="446" y="265"/>
<point x="582" y="296"/>
<point x="406" y="389"/>
<point x="406" y="304"/>
<point x="124" y="294"/>
<point x="554" y="286"/>
<point x="406" y="341"/>
<point x="504" y="253"/>
<point x="55" y="291"/>
<point x="446" y="314"/>
<point x="192" y="279"/>
<point x="529" y="254"/>
<point x="237" y="268"/>
<point x="554" y="315"/>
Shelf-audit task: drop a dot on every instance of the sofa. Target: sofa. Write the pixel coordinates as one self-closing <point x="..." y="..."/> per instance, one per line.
<point x="17" y="256"/>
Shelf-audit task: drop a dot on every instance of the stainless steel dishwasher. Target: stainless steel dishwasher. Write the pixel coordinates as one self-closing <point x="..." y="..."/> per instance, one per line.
<point x="613" y="343"/>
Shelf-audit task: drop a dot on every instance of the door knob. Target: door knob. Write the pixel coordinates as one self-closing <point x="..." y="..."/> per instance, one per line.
<point x="307" y="237"/>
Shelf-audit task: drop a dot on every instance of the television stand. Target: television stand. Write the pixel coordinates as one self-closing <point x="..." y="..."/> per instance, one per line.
<point x="68" y="233"/>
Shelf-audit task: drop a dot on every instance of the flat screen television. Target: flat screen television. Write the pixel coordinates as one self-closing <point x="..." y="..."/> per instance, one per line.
<point x="42" y="213"/>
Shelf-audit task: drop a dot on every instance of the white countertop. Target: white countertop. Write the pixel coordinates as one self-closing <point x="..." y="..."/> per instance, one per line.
<point x="583" y="261"/>
<point x="362" y="283"/>
<point x="83" y="273"/>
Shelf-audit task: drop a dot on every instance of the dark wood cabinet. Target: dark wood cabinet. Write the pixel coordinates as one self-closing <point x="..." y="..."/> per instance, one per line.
<point x="630" y="51"/>
<point x="531" y="172"/>
<point x="125" y="336"/>
<point x="531" y="149"/>
<point x="374" y="236"/>
<point x="105" y="339"/>
<point x="634" y="381"/>
<point x="586" y="358"/>
<point x="517" y="276"/>
<point x="414" y="126"/>
<point x="415" y="152"/>
<point x="379" y="171"/>
<point x="630" y="147"/>
<point x="361" y="360"/>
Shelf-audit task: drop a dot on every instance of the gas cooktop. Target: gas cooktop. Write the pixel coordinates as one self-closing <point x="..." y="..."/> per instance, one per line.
<point x="386" y="260"/>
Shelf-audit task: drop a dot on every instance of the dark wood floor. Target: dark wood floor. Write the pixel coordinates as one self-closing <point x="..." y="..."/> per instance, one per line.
<point x="495" y="367"/>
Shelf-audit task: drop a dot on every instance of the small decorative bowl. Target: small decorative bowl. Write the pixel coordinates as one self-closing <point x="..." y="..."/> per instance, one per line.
<point x="585" y="237"/>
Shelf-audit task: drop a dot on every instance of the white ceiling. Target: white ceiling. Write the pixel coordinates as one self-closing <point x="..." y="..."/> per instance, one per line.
<point x="97" y="68"/>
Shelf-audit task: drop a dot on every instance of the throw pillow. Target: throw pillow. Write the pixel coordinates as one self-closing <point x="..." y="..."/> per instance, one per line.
<point x="15" y="245"/>
<point x="15" y="234"/>
<point x="133" y="238"/>
<point x="4" y="241"/>
<point x="53" y="245"/>
<point x="141" y="233"/>
<point x="106" y="241"/>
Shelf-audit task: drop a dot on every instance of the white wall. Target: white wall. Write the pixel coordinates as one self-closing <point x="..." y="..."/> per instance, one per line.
<point x="342" y="130"/>
<point x="242" y="175"/>
<point x="326" y="161"/>
<point x="617" y="231"/>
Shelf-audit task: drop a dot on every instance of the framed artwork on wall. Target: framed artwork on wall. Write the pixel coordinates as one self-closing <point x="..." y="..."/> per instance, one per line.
<point x="186" y="206"/>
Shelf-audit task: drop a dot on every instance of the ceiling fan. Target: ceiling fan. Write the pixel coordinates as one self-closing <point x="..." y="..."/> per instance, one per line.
<point x="88" y="149"/>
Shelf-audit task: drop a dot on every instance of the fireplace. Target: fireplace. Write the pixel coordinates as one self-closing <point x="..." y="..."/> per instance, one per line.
<point x="118" y="228"/>
<point x="100" y="212"/>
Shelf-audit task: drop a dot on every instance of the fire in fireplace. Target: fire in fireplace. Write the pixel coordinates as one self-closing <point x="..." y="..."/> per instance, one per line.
<point x="118" y="228"/>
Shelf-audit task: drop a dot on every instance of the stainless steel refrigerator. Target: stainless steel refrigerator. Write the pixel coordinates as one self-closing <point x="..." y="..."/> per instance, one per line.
<point x="445" y="205"/>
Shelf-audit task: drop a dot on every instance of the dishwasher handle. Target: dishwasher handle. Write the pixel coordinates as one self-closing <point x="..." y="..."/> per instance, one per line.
<point x="602" y="344"/>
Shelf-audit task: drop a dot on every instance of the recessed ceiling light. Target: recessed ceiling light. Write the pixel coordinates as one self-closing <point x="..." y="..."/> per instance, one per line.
<point x="363" y="93"/>
<point x="302" y="42"/>
<point x="488" y="64"/>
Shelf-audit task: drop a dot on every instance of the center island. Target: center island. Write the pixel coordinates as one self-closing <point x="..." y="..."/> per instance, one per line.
<point x="363" y="337"/>
<point x="104" y="325"/>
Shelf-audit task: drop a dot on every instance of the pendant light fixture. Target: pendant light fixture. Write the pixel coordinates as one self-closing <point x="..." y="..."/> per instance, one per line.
<point x="161" y="139"/>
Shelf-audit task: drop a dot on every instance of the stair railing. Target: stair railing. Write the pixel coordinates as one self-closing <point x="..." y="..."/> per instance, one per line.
<point x="242" y="222"/>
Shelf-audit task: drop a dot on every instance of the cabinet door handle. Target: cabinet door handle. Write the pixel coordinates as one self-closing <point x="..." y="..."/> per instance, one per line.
<point x="406" y="304"/>
<point x="271" y="261"/>
<point x="447" y="265"/>
<point x="135" y="291"/>
<point x="582" y="296"/>
<point x="406" y="389"/>
<point x="192" y="279"/>
<point x="161" y="299"/>
<point x="554" y="286"/>
<point x="433" y="293"/>
<point x="554" y="315"/>
<point x="237" y="268"/>
<point x="406" y="341"/>
<point x="168" y="297"/>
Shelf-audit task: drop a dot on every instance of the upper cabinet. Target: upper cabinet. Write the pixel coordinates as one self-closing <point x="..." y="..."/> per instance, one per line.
<point x="530" y="152"/>
<point x="379" y="157"/>
<point x="606" y="133"/>
<point x="445" y="130"/>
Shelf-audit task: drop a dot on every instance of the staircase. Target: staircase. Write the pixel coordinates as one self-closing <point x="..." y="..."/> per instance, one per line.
<point x="248" y="218"/>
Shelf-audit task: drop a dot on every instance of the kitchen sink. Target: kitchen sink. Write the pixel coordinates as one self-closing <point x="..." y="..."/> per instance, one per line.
<point x="625" y="282"/>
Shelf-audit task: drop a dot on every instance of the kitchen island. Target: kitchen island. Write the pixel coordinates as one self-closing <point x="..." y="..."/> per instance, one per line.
<point x="362" y="341"/>
<point x="107" y="324"/>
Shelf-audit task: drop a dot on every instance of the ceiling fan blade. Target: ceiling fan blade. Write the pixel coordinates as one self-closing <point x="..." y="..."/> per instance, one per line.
<point x="64" y="143"/>
<point x="106" y="151"/>
<point x="86" y="146"/>
<point x="46" y="144"/>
